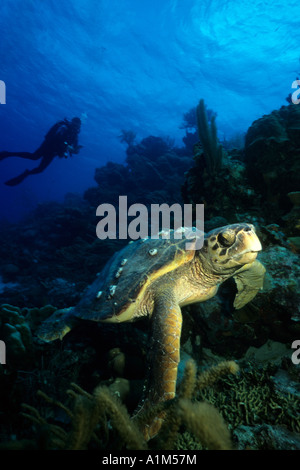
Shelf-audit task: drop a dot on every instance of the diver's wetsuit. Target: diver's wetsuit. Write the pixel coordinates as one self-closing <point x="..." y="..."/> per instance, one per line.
<point x="61" y="140"/>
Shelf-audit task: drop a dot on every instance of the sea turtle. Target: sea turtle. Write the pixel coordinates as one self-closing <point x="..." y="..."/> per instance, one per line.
<point x="156" y="277"/>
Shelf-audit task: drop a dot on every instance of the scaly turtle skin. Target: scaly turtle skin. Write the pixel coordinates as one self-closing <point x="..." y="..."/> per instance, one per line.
<point x="156" y="277"/>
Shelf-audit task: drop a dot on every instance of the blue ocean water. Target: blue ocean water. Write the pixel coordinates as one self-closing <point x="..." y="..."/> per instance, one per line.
<point x="133" y="65"/>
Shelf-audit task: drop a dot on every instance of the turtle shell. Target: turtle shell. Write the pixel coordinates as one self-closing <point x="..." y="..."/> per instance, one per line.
<point x="119" y="288"/>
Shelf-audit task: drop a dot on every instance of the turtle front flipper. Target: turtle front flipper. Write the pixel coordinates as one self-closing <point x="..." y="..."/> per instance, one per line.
<point x="249" y="281"/>
<point x="163" y="360"/>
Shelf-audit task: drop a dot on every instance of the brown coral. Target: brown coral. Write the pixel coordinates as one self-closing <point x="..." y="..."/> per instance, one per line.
<point x="92" y="415"/>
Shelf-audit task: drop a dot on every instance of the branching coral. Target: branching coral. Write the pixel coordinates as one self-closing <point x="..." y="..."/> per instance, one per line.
<point x="88" y="419"/>
<point x="212" y="431"/>
<point x="253" y="399"/>
<point x="200" y="418"/>
<point x="96" y="419"/>
<point x="206" y="406"/>
<point x="213" y="151"/>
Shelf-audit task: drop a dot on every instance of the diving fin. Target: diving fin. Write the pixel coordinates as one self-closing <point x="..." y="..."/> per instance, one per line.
<point x="17" y="179"/>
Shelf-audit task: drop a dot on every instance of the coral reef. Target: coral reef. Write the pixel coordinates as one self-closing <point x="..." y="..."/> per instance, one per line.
<point x="292" y="221"/>
<point x="255" y="180"/>
<point x="100" y="420"/>
<point x="218" y="178"/>
<point x="152" y="173"/>
<point x="211" y="407"/>
<point x="50" y="257"/>
<point x="254" y="398"/>
<point x="16" y="334"/>
<point x="272" y="158"/>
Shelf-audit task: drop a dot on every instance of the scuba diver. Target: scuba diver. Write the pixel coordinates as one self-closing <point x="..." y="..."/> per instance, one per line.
<point x="61" y="140"/>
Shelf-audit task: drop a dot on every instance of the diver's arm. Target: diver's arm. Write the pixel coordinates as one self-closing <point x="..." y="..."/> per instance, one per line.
<point x="71" y="149"/>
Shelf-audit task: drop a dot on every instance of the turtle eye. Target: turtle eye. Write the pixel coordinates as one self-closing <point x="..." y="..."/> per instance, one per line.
<point x="226" y="238"/>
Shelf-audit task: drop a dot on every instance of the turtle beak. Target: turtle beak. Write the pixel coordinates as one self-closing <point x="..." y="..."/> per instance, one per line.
<point x="251" y="244"/>
<point x="251" y="240"/>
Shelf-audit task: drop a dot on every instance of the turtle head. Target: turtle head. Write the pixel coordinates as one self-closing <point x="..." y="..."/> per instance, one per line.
<point x="56" y="326"/>
<point x="227" y="249"/>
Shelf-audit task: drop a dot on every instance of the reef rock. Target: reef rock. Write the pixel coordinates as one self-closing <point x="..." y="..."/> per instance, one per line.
<point x="272" y="156"/>
<point x="16" y="334"/>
